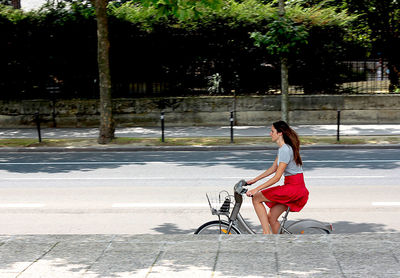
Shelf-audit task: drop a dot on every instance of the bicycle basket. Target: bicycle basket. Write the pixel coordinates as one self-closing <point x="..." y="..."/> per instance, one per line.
<point x="220" y="203"/>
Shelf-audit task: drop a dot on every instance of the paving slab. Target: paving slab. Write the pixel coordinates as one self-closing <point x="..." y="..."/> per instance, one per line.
<point x="371" y="258"/>
<point x="126" y="259"/>
<point x="27" y="252"/>
<point x="67" y="258"/>
<point x="306" y="256"/>
<point x="100" y="256"/>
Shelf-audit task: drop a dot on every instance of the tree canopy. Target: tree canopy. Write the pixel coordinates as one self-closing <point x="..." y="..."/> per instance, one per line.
<point x="177" y="51"/>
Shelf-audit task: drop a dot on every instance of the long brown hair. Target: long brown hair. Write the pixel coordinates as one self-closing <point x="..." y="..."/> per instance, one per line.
<point x="291" y="138"/>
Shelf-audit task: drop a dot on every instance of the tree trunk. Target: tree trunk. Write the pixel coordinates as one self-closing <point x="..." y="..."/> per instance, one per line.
<point x="16" y="4"/>
<point x="284" y="90"/>
<point x="284" y="75"/>
<point x="107" y="126"/>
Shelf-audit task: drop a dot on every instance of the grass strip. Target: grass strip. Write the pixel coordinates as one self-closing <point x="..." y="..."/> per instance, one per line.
<point x="196" y="141"/>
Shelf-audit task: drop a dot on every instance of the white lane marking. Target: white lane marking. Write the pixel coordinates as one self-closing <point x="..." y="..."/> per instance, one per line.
<point x="386" y="204"/>
<point x="165" y="205"/>
<point x="90" y="178"/>
<point x="189" y="162"/>
<point x="130" y="162"/>
<point x="344" y="177"/>
<point x="22" y="205"/>
<point x="180" y="178"/>
<point x="157" y="205"/>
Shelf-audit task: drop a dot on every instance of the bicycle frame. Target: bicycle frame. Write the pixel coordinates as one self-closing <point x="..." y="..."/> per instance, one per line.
<point x="236" y="219"/>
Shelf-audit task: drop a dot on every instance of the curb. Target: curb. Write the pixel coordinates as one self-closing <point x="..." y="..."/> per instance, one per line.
<point x="192" y="148"/>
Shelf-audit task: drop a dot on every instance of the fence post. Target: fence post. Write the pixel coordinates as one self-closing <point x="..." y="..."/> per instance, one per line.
<point x="162" y="126"/>
<point x="338" y="126"/>
<point x="37" y="120"/>
<point x="231" y="126"/>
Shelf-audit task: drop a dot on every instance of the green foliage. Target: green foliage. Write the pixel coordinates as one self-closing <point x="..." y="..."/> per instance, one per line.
<point x="375" y="33"/>
<point x="283" y="37"/>
<point x="53" y="44"/>
<point x="67" y="11"/>
<point x="146" y="14"/>
<point x="248" y="12"/>
<point x="167" y="52"/>
<point x="319" y="14"/>
<point x="182" y="9"/>
<point x="11" y="14"/>
<point x="143" y="16"/>
<point x="286" y="34"/>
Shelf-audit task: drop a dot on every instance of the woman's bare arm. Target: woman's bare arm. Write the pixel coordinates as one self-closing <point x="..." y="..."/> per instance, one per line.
<point x="267" y="173"/>
<point x="278" y="174"/>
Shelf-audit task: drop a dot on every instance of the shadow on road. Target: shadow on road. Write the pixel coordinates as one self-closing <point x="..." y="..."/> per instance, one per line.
<point x="246" y="160"/>
<point x="171" y="228"/>
<point x="341" y="227"/>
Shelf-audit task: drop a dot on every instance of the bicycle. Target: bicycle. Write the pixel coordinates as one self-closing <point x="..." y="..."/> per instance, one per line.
<point x="237" y="225"/>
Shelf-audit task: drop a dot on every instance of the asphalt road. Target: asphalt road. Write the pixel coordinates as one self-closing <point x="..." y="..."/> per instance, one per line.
<point x="164" y="192"/>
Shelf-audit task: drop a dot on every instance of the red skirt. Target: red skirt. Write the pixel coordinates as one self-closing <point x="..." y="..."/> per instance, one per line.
<point x="293" y="193"/>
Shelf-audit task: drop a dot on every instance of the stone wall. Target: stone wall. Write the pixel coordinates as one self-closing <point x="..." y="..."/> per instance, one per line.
<point x="187" y="111"/>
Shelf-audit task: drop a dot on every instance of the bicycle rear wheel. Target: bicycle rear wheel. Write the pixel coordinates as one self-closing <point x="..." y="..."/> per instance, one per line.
<point x="216" y="227"/>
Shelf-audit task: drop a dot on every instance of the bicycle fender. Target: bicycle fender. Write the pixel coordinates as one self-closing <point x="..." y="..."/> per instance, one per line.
<point x="299" y="226"/>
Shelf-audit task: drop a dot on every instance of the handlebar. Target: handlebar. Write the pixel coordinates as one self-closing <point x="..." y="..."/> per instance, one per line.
<point x="239" y="187"/>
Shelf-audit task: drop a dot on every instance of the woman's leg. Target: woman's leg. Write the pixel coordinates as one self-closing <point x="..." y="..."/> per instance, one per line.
<point x="273" y="216"/>
<point x="258" y="200"/>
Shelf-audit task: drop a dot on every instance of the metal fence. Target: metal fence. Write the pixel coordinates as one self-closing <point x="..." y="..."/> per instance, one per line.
<point x="369" y="76"/>
<point x="358" y="77"/>
<point x="351" y="77"/>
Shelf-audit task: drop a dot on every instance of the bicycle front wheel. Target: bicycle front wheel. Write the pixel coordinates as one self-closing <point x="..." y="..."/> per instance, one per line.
<point x="216" y="227"/>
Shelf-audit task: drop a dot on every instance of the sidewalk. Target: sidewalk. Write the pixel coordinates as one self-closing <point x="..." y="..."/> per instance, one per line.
<point x="90" y="256"/>
<point x="224" y="131"/>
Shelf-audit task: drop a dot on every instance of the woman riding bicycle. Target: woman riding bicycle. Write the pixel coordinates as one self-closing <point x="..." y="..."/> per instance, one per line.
<point x="293" y="193"/>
